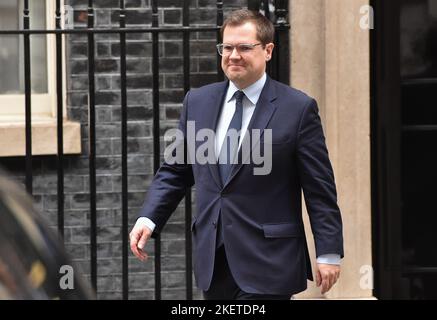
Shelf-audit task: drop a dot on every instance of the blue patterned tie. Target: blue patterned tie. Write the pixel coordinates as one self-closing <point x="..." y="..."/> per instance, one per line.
<point x="228" y="150"/>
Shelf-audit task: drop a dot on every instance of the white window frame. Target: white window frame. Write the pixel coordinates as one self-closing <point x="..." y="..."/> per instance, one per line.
<point x="43" y="109"/>
<point x="43" y="105"/>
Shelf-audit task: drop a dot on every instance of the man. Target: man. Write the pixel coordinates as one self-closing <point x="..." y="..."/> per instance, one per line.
<point x="248" y="234"/>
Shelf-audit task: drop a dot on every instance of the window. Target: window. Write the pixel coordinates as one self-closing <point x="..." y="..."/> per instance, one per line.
<point x="43" y="82"/>
<point x="12" y="61"/>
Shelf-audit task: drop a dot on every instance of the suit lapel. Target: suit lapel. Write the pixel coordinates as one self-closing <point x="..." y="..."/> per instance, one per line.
<point x="264" y="110"/>
<point x="215" y="101"/>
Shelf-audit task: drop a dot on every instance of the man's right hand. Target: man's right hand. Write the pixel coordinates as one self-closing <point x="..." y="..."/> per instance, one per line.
<point x="139" y="236"/>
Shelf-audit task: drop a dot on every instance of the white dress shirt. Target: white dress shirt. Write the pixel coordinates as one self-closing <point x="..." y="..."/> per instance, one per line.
<point x="250" y="99"/>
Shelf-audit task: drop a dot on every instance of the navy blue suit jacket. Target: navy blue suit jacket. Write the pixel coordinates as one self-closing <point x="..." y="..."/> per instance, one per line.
<point x="263" y="229"/>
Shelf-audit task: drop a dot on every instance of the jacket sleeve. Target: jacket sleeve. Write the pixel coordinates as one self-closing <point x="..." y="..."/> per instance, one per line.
<point x="170" y="183"/>
<point x="317" y="181"/>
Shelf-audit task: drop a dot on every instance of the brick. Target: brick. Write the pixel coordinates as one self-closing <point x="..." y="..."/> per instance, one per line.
<point x="140" y="49"/>
<point x="198" y="80"/>
<point x="135" y="145"/>
<point x="138" y="129"/>
<point x="173" y="231"/>
<point x="136" y="82"/>
<point x="170" y="3"/>
<point x="108" y="130"/>
<point x="105" y="250"/>
<point x="139" y="182"/>
<point x="207" y="3"/>
<point x="105" y="37"/>
<point x="106" y="4"/>
<point x="105" y="284"/>
<point x="103" y="82"/>
<point x="136" y="199"/>
<point x="208" y="64"/>
<point x="108" y="200"/>
<point x="75" y="251"/>
<point x="204" y="47"/>
<point x="173" y="280"/>
<point x="80" y="201"/>
<point x="173" y="48"/>
<point x="105" y="217"/>
<point x="140" y="113"/>
<point x="77" y="83"/>
<point x="107" y="98"/>
<point x="78" y="50"/>
<point x="144" y="36"/>
<point x="106" y="165"/>
<point x="139" y="164"/>
<point x="141" y="281"/>
<point x="75" y="218"/>
<point x="172" y="247"/>
<point x="78" y="38"/>
<point x="173" y="263"/>
<point x="173" y="16"/>
<point x="139" y="65"/>
<point x="142" y="295"/>
<point x="142" y="97"/>
<point x="46" y="184"/>
<point x="173" y="113"/>
<point x="109" y="295"/>
<point x="133" y="17"/>
<point x="78" y="67"/>
<point x="108" y="234"/>
<point x="103" y="49"/>
<point x="103" y="184"/>
<point x="103" y="18"/>
<point x="133" y="4"/>
<point x="80" y="234"/>
<point x="103" y="147"/>
<point x="134" y="113"/>
<point x="136" y="265"/>
<point x="173" y="294"/>
<point x="50" y="202"/>
<point x="173" y="81"/>
<point x="171" y="96"/>
<point x="203" y="17"/>
<point x="103" y="114"/>
<point x="170" y="65"/>
<point x="77" y="99"/>
<point x="106" y="65"/>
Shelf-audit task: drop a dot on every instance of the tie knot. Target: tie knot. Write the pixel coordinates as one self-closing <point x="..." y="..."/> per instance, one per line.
<point x="239" y="95"/>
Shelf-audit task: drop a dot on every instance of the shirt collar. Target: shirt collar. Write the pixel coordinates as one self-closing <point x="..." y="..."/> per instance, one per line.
<point x="252" y="92"/>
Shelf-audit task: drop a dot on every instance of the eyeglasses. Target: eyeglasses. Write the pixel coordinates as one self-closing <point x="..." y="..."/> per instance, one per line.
<point x="225" y="49"/>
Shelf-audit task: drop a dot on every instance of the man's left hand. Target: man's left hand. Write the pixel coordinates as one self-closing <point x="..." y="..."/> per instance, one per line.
<point x="327" y="275"/>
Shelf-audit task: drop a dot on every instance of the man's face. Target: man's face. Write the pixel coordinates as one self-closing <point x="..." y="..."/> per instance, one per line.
<point x="244" y="68"/>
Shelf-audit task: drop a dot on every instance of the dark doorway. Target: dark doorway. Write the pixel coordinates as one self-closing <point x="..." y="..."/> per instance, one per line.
<point x="404" y="148"/>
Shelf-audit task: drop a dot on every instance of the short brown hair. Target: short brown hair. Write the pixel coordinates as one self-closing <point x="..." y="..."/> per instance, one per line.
<point x="265" y="31"/>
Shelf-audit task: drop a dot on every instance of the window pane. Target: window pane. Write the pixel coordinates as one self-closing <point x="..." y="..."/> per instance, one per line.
<point x="12" y="48"/>
<point x="418" y="38"/>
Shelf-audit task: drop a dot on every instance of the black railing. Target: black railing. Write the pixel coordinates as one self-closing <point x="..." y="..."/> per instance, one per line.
<point x="278" y="68"/>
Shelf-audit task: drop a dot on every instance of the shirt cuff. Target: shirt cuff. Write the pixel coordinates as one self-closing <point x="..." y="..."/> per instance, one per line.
<point x="330" y="258"/>
<point x="146" y="222"/>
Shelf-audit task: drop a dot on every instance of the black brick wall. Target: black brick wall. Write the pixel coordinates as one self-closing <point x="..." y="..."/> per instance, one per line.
<point x="140" y="140"/>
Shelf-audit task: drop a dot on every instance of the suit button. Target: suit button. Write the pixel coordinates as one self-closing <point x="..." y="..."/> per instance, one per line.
<point x="214" y="224"/>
